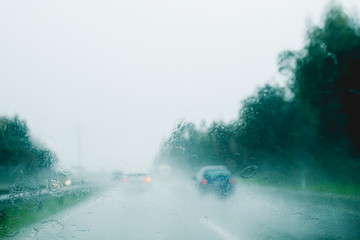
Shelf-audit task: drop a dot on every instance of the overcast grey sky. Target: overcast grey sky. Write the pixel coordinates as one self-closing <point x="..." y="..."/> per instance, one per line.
<point x="122" y="72"/>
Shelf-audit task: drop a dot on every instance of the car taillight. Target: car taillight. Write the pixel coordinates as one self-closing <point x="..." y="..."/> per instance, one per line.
<point x="125" y="179"/>
<point x="232" y="180"/>
<point x="148" y="179"/>
<point x="204" y="181"/>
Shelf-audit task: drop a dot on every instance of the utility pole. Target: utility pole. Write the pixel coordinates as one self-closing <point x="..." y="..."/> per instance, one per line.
<point x="79" y="145"/>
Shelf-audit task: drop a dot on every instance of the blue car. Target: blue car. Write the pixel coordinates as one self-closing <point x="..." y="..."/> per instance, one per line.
<point x="216" y="179"/>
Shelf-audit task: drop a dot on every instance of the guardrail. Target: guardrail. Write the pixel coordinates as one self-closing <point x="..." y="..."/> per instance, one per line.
<point x="16" y="196"/>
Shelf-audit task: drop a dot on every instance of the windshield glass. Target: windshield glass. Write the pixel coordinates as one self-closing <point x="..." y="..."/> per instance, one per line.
<point x="191" y="119"/>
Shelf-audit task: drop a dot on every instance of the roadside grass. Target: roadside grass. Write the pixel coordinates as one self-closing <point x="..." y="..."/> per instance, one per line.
<point x="14" y="218"/>
<point x="336" y="188"/>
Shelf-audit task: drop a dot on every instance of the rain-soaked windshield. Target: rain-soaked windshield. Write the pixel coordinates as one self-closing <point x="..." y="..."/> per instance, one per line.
<point x="192" y="119"/>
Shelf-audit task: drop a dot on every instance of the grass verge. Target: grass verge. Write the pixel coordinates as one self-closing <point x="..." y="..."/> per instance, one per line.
<point x="336" y="188"/>
<point x="26" y="213"/>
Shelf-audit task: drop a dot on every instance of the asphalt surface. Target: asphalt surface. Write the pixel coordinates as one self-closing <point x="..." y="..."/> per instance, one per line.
<point x="175" y="210"/>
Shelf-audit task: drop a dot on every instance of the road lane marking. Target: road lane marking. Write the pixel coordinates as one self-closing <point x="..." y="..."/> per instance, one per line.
<point x="217" y="229"/>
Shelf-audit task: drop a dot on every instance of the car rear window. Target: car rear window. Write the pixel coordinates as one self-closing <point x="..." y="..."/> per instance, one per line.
<point x="136" y="175"/>
<point x="216" y="172"/>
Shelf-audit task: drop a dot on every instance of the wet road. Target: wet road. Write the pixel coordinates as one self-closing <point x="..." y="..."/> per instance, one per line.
<point x="176" y="211"/>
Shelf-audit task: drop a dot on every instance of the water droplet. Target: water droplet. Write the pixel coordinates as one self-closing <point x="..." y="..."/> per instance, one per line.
<point x="55" y="188"/>
<point x="65" y="171"/>
<point x="52" y="227"/>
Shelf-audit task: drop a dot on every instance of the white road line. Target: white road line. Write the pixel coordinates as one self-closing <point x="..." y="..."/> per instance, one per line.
<point x="223" y="233"/>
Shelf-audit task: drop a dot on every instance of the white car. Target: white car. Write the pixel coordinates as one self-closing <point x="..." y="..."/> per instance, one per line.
<point x="136" y="181"/>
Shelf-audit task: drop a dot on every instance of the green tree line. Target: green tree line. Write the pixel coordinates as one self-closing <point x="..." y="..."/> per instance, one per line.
<point x="309" y="127"/>
<point x="19" y="152"/>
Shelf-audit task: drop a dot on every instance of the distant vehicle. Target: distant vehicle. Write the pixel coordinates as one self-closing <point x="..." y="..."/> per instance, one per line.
<point x="216" y="179"/>
<point x="117" y="175"/>
<point x="137" y="180"/>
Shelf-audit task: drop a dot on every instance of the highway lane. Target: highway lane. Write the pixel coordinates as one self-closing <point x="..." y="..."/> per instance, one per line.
<point x="175" y="210"/>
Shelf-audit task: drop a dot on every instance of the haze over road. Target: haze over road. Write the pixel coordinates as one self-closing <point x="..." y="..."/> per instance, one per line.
<point x="175" y="210"/>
